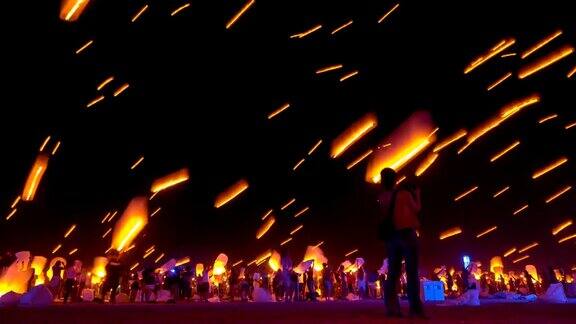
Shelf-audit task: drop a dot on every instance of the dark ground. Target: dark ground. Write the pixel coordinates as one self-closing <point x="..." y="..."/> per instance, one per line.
<point x="330" y="312"/>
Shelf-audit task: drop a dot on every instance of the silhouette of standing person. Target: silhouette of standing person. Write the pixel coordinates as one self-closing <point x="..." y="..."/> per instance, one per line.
<point x="398" y="229"/>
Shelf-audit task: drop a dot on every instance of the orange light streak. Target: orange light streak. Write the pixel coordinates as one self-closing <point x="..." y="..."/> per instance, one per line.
<point x="240" y="13"/>
<point x="545" y="61"/>
<point x="232" y="192"/>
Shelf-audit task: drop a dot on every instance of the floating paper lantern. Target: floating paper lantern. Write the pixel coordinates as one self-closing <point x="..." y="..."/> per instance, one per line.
<point x="132" y="221"/>
<point x="35" y="177"/>
<point x="220" y="264"/>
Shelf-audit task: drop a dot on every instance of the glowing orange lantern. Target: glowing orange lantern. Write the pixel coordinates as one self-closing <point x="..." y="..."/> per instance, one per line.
<point x="231" y="193"/>
<point x="34" y="177"/>
<point x="170" y="180"/>
<point x="408" y="141"/>
<point x="133" y="220"/>
<point x="353" y="134"/>
<point x="265" y="227"/>
<point x="275" y="261"/>
<point x="70" y="10"/>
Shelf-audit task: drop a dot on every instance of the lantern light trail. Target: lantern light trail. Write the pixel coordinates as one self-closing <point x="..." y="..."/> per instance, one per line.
<point x="466" y="193"/>
<point x="107" y="232"/>
<point x="547" y="118"/>
<point x="559" y="228"/>
<point x="121" y="89"/>
<point x="300" y="213"/>
<point x="237" y="263"/>
<point x="450" y="232"/>
<point x="132" y="221"/>
<point x="155" y="212"/>
<point x="147" y="254"/>
<point x="505" y="113"/>
<point x="434" y="132"/>
<point x="501" y="191"/>
<point x="348" y="75"/>
<point x="570" y="125"/>
<point x="507" y="55"/>
<point x="294" y="231"/>
<point x="350" y="253"/>
<point x="319" y="244"/>
<point x="43" y="146"/>
<point x="265" y="227"/>
<point x="130" y="235"/>
<point x="329" y="68"/>
<point x="170" y="180"/>
<point x="85" y="46"/>
<point x="285" y="241"/>
<point x="137" y="163"/>
<point x="72" y="9"/>
<point x="520" y="259"/>
<point x="298" y="164"/>
<point x="340" y="28"/>
<point x="567" y="238"/>
<point x="159" y="258"/>
<point x="15" y="202"/>
<point x="458" y="135"/>
<point x="56" y="248"/>
<point x="558" y="194"/>
<point x="307" y="32"/>
<point x="95" y="101"/>
<point x="139" y="13"/>
<point x="388" y="13"/>
<point x="571" y="72"/>
<point x="131" y="247"/>
<point x="232" y="192"/>
<point x="352" y="134"/>
<point x="490" y="230"/>
<point x="504" y="151"/>
<point x="545" y="61"/>
<point x="11" y="213"/>
<point x="73" y="251"/>
<point x="501" y="47"/>
<point x="112" y="216"/>
<point x="499" y="81"/>
<point x="430" y="159"/>
<point x="528" y="247"/>
<point x="134" y="266"/>
<point x="509" y="252"/>
<point x="152" y="196"/>
<point x="548" y="168"/>
<point x="359" y="159"/>
<point x="288" y="204"/>
<point x="279" y="110"/>
<point x="70" y="230"/>
<point x="519" y="210"/>
<point x="399" y="181"/>
<point x="182" y="7"/>
<point x="105" y="218"/>
<point x="267" y="214"/>
<point x="240" y="13"/>
<point x="540" y="44"/>
<point x="35" y="177"/>
<point x="315" y="147"/>
<point x="105" y="83"/>
<point x="55" y="149"/>
<point x="150" y="248"/>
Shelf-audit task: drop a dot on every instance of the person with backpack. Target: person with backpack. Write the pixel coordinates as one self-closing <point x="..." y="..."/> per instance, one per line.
<point x="400" y="208"/>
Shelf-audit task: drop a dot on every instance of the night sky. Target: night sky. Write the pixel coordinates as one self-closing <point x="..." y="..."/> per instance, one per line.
<point x="199" y="98"/>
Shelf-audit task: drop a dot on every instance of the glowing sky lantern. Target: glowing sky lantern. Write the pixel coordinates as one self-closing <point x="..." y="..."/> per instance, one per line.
<point x="220" y="264"/>
<point x="70" y="10"/>
<point x="265" y="227"/>
<point x="317" y="255"/>
<point x="230" y="193"/>
<point x="199" y="269"/>
<point x="99" y="269"/>
<point x="532" y="271"/>
<point x="15" y="278"/>
<point x="49" y="272"/>
<point x="170" y="180"/>
<point x="34" y="177"/>
<point x="275" y="261"/>
<point x="182" y="261"/>
<point x="496" y="265"/>
<point x="450" y="232"/>
<point x="353" y="134"/>
<point x="132" y="221"/>
<point x="408" y="141"/>
<point x="38" y="264"/>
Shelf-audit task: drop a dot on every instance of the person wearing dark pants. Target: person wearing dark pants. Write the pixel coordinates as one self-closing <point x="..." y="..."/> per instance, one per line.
<point x="400" y="207"/>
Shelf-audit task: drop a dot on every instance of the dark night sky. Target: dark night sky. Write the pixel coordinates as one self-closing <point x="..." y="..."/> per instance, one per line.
<point x="199" y="96"/>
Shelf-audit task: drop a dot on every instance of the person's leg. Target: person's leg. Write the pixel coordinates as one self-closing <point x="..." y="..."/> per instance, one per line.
<point x="394" y="266"/>
<point x="410" y="247"/>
